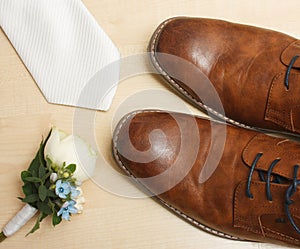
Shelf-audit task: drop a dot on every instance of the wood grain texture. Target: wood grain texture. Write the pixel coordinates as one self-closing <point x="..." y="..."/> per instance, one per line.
<point x="110" y="219"/>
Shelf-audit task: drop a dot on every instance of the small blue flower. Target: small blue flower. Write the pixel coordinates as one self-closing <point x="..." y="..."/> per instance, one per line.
<point x="62" y="189"/>
<point x="74" y="192"/>
<point x="67" y="209"/>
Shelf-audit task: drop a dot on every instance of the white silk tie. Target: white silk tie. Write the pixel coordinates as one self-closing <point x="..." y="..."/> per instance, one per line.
<point x="70" y="57"/>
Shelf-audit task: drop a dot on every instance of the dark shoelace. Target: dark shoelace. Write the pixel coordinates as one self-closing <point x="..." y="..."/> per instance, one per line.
<point x="277" y="179"/>
<point x="288" y="72"/>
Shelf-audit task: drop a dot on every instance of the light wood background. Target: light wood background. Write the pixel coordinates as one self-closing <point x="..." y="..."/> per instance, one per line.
<point x="110" y="219"/>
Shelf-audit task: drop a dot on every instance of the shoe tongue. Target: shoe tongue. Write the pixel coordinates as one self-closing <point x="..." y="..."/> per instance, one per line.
<point x="288" y="54"/>
<point x="273" y="148"/>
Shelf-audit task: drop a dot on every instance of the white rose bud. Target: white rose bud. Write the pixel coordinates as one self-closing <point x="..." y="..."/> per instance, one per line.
<point x="71" y="149"/>
<point x="79" y="208"/>
<point x="53" y="177"/>
<point x="78" y="183"/>
<point x="79" y="201"/>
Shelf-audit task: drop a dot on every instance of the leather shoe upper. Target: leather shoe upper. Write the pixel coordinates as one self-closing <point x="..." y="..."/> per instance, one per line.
<point x="254" y="71"/>
<point x="230" y="181"/>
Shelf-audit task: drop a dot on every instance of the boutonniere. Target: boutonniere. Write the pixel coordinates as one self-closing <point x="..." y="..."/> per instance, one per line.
<point x="52" y="181"/>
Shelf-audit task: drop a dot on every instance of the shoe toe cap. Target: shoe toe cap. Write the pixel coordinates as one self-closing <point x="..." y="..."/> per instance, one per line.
<point x="146" y="144"/>
<point x="158" y="148"/>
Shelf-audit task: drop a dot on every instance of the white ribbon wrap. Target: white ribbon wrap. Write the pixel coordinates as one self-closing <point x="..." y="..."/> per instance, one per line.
<point x="20" y="219"/>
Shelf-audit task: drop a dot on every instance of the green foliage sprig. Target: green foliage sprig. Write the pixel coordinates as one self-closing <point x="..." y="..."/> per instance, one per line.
<point x="38" y="189"/>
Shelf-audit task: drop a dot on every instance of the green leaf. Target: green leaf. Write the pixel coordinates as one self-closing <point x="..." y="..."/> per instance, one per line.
<point x="51" y="193"/>
<point x="39" y="158"/>
<point x="52" y="206"/>
<point x="47" y="183"/>
<point x="35" y="227"/>
<point x="42" y="171"/>
<point x="44" y="207"/>
<point x="25" y="174"/>
<point x="45" y="177"/>
<point x="43" y="216"/>
<point x="47" y="138"/>
<point x="34" y="166"/>
<point x="49" y="163"/>
<point x="55" y="219"/>
<point x="31" y="198"/>
<point x="41" y="154"/>
<point x="32" y="179"/>
<point x="43" y="191"/>
<point x="37" y="224"/>
<point x="71" y="167"/>
<point x="28" y="188"/>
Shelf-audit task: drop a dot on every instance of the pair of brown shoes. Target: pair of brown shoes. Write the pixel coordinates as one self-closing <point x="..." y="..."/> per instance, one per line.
<point x="230" y="181"/>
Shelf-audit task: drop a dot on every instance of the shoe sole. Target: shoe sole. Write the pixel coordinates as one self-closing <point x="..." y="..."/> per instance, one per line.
<point x="189" y="98"/>
<point x="168" y="206"/>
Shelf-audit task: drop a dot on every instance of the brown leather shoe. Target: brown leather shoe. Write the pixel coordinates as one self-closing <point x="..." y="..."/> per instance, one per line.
<point x="243" y="187"/>
<point x="253" y="72"/>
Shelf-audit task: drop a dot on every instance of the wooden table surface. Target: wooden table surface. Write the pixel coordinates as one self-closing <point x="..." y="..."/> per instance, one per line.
<point x="112" y="218"/>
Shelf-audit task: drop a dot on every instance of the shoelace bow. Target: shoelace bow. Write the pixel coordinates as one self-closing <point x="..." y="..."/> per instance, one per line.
<point x="277" y="179"/>
<point x="288" y="72"/>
